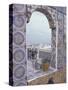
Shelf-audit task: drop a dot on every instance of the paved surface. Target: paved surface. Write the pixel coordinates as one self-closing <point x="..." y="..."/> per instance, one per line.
<point x="32" y="73"/>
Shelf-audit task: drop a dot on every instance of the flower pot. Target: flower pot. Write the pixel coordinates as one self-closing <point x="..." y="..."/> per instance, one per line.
<point x="45" y="66"/>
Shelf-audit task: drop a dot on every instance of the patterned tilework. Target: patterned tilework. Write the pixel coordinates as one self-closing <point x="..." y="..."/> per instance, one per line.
<point x="18" y="17"/>
<point x="53" y="53"/>
<point x="10" y="45"/>
<point x="60" y="52"/>
<point x="64" y="39"/>
<point x="18" y="64"/>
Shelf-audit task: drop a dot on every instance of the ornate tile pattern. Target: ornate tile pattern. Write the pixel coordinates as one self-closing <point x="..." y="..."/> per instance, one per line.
<point x="60" y="41"/>
<point x="19" y="15"/>
<point x="18" y="45"/>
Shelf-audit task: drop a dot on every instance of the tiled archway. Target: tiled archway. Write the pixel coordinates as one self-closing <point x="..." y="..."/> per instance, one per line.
<point x="19" y="15"/>
<point x="52" y="25"/>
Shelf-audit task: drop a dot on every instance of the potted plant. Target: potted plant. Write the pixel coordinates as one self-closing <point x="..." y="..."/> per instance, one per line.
<point x="45" y="64"/>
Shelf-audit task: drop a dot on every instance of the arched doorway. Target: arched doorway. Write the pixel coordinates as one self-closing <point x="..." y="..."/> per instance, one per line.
<point x="38" y="36"/>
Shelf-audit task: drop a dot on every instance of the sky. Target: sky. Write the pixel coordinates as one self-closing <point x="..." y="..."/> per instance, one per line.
<point x="38" y="30"/>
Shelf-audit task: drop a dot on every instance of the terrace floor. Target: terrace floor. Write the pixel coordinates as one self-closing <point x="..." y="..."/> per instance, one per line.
<point x="33" y="73"/>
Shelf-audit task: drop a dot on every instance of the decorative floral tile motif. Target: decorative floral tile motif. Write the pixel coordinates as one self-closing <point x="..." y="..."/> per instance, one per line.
<point x="19" y="16"/>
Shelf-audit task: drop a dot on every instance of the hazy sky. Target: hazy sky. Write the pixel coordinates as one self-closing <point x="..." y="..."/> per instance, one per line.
<point x="37" y="30"/>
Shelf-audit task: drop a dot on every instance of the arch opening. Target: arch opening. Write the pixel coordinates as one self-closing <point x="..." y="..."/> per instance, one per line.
<point x="38" y="44"/>
<point x="38" y="30"/>
<point x="46" y="13"/>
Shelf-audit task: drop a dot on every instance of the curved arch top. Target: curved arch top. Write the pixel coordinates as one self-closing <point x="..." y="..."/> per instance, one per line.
<point x="46" y="13"/>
